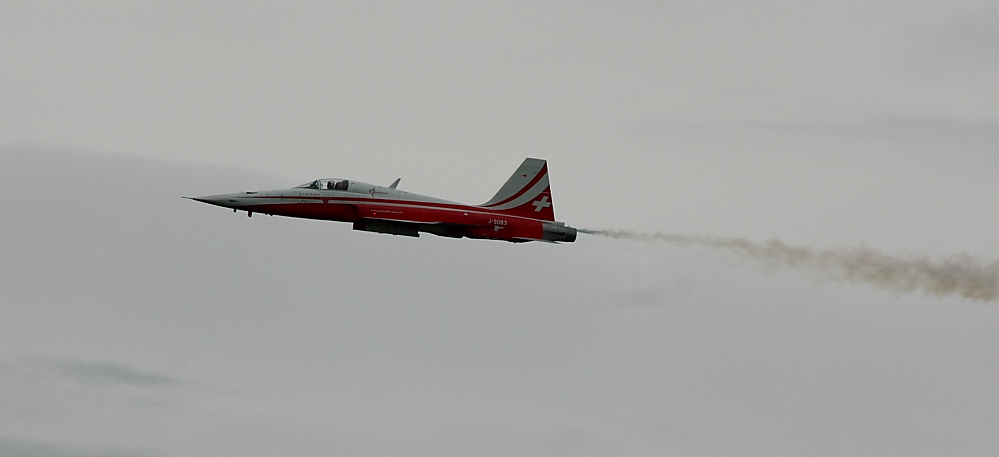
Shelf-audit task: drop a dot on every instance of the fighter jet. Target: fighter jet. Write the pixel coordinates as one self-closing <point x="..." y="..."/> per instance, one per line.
<point x="520" y="211"/>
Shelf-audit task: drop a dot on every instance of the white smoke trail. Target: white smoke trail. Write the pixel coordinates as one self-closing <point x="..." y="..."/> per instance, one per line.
<point x="958" y="274"/>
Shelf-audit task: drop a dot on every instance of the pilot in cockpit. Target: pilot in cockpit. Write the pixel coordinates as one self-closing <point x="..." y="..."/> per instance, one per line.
<point x="330" y="184"/>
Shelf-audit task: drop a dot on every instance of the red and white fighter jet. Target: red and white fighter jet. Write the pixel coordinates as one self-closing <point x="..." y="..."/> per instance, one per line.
<point x="520" y="211"/>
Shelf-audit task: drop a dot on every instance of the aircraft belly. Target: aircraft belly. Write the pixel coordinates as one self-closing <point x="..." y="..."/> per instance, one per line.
<point x="470" y="222"/>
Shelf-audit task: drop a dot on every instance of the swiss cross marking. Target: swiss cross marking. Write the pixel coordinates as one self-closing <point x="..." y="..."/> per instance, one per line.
<point x="543" y="203"/>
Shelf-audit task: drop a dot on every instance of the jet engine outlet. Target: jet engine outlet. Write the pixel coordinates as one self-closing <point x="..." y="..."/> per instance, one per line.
<point x="558" y="231"/>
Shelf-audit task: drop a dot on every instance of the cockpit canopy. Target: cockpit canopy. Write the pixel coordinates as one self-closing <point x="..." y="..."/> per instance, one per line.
<point x="325" y="184"/>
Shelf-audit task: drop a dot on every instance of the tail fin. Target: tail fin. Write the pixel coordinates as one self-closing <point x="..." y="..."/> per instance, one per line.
<point x="526" y="193"/>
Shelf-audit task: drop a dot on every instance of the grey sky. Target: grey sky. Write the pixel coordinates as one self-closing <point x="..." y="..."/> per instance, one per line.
<point x="138" y="323"/>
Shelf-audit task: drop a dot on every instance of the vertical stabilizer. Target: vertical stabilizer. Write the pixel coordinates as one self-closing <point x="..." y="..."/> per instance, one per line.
<point x="527" y="192"/>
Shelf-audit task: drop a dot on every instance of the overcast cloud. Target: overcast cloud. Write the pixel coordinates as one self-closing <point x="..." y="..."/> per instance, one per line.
<point x="139" y="323"/>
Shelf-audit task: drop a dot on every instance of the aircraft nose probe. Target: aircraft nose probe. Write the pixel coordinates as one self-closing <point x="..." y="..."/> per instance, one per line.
<point x="222" y="200"/>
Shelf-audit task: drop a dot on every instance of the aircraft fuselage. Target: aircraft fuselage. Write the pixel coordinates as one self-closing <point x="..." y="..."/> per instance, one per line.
<point x="380" y="209"/>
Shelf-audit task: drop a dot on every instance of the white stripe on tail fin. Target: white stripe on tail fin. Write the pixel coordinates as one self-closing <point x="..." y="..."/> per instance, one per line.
<point x="526" y="193"/>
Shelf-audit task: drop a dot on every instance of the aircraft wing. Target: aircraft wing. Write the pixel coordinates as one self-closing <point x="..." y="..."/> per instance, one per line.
<point x="405" y="221"/>
<point x="405" y="216"/>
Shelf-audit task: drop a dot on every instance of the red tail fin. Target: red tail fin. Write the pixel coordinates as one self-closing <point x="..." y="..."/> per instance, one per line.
<point x="527" y="193"/>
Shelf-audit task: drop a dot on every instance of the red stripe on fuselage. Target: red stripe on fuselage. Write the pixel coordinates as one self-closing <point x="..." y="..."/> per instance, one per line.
<point x="353" y="200"/>
<point x="473" y="223"/>
<point x="352" y="209"/>
<point x="411" y="204"/>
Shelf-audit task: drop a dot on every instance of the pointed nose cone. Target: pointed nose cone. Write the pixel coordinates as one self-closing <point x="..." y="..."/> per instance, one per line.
<point x="223" y="200"/>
